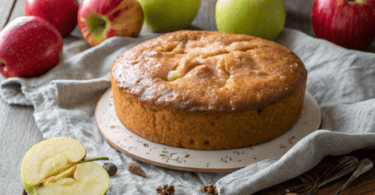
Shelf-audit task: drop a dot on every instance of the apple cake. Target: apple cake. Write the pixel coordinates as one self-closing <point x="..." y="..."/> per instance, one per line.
<point x="208" y="90"/>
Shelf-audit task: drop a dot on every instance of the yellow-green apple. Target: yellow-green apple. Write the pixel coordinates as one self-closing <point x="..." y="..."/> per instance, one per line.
<point x="348" y="23"/>
<point x="29" y="46"/>
<point x="261" y="18"/>
<point x="57" y="166"/>
<point x="169" y="15"/>
<point x="62" y="14"/>
<point x="99" y="20"/>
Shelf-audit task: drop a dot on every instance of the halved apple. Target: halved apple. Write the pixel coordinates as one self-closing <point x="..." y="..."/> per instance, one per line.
<point x="57" y="166"/>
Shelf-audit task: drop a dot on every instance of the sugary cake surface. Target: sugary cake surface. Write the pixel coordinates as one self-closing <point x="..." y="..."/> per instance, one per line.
<point x="209" y="71"/>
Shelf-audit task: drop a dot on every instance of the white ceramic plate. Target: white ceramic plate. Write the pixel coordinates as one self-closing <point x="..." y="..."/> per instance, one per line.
<point x="200" y="160"/>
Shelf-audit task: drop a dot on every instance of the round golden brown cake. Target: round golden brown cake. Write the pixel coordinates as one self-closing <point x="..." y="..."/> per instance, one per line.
<point x="208" y="90"/>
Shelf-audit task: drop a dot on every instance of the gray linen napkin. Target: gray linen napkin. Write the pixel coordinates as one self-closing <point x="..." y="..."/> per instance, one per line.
<point x="341" y="81"/>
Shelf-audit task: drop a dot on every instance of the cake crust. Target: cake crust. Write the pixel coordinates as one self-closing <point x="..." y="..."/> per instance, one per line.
<point x="206" y="70"/>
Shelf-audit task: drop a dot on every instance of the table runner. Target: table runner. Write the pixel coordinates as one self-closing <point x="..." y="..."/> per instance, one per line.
<point x="342" y="81"/>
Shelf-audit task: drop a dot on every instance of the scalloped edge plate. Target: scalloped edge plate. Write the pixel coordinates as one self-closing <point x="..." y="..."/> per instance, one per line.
<point x="184" y="159"/>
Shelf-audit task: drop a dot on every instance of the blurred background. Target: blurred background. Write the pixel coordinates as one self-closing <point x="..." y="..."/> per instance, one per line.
<point x="298" y="16"/>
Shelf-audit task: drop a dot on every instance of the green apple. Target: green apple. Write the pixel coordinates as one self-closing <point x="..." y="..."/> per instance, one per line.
<point x="261" y="18"/>
<point x="57" y="166"/>
<point x="169" y="15"/>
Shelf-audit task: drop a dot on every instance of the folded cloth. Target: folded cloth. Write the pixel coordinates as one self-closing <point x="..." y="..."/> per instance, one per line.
<point x="341" y="81"/>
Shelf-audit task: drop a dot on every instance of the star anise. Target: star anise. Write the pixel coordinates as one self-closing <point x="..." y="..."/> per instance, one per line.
<point x="209" y="189"/>
<point x="165" y="190"/>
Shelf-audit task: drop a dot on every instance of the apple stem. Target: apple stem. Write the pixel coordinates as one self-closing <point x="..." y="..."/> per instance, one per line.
<point x="97" y="24"/>
<point x="95" y="159"/>
<point x="3" y="69"/>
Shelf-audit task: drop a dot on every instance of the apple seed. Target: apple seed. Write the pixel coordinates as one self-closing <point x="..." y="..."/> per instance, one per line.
<point x="69" y="170"/>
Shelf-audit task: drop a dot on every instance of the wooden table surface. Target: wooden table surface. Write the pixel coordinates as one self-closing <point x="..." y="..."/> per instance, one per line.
<point x="18" y="131"/>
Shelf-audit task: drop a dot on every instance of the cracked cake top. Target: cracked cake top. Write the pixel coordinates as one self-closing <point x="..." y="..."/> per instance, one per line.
<point x="209" y="71"/>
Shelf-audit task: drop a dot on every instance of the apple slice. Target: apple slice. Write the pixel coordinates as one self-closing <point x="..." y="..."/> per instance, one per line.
<point x="56" y="166"/>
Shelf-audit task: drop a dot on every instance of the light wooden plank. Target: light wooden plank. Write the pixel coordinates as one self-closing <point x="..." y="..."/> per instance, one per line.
<point x="18" y="130"/>
<point x="5" y="10"/>
<point x="18" y="9"/>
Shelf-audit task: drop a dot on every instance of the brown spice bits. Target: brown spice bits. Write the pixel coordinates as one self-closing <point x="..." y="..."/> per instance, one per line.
<point x="136" y="169"/>
<point x="209" y="189"/>
<point x="165" y="190"/>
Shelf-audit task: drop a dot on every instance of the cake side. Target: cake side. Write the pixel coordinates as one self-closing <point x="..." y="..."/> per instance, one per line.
<point x="204" y="70"/>
<point x="206" y="130"/>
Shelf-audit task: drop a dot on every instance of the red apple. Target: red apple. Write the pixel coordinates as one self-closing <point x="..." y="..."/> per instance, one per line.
<point x="29" y="46"/>
<point x="62" y="14"/>
<point x="99" y="20"/>
<point x="348" y="23"/>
